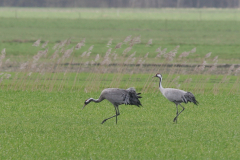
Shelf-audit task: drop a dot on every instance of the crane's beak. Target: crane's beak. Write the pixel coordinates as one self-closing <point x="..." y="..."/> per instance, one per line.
<point x="84" y="106"/>
<point x="154" y="76"/>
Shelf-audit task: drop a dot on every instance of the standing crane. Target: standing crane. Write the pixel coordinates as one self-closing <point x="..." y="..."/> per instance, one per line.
<point x="117" y="97"/>
<point x="176" y="96"/>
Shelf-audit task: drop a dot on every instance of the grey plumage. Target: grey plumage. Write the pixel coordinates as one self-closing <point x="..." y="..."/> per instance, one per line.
<point x="117" y="97"/>
<point x="176" y="96"/>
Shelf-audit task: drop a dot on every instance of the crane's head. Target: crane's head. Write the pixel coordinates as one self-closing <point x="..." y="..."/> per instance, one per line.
<point x="87" y="101"/>
<point x="158" y="75"/>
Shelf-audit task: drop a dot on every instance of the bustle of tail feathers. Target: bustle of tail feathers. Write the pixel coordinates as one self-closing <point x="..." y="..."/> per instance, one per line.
<point x="189" y="97"/>
<point x="133" y="98"/>
<point x="138" y="95"/>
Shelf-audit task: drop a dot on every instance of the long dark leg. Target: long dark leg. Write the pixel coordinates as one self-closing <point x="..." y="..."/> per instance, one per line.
<point x="117" y="113"/>
<point x="175" y="119"/>
<point x="179" y="112"/>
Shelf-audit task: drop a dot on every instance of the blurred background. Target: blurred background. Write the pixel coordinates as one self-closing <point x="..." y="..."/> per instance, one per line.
<point x="88" y="45"/>
<point x="124" y="3"/>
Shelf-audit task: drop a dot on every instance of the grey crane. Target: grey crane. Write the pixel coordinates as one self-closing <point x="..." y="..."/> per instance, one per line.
<point x="176" y="96"/>
<point x="117" y="97"/>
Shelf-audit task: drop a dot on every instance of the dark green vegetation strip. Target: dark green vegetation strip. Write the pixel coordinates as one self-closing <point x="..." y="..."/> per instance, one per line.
<point x="219" y="37"/>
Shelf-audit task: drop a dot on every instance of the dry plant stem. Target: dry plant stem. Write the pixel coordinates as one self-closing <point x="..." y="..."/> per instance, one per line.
<point x="122" y="70"/>
<point x="51" y="88"/>
<point x="176" y="71"/>
<point x="170" y="77"/>
<point x="65" y="76"/>
<point x="235" y="87"/>
<point x="51" y="76"/>
<point x="139" y="71"/>
<point x="29" y="83"/>
<point x="96" y="78"/>
<point x="36" y="83"/>
<point x="95" y="85"/>
<point x="24" y="77"/>
<point x="217" y="86"/>
<point x="130" y="81"/>
<point x="19" y="77"/>
<point x="82" y="87"/>
<point x="199" y="80"/>
<point x="57" y="66"/>
<point x="99" y="77"/>
<point x="70" y="64"/>
<point x="40" y="68"/>
<point x="75" y="79"/>
<point x="91" y="78"/>
<point x="14" y="81"/>
<point x="37" y="80"/>
<point x="51" y="73"/>
<point x="44" y="84"/>
<point x="25" y="81"/>
<point x="225" y="82"/>
<point x="149" y="78"/>
<point x="125" y="71"/>
<point x="90" y="81"/>
<point x="43" y="76"/>
<point x="202" y="85"/>
<point x="148" y="84"/>
<point x="117" y="79"/>
<point x="189" y="76"/>
<point x="215" y="89"/>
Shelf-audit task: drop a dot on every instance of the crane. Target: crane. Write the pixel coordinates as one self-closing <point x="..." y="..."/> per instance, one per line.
<point x="176" y="96"/>
<point x="117" y="97"/>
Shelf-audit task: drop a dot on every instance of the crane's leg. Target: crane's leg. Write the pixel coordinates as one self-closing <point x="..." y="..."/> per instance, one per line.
<point x="117" y="113"/>
<point x="175" y="119"/>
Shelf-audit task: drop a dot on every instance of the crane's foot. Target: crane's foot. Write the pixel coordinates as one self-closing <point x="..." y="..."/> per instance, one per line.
<point x="104" y="121"/>
<point x="175" y="119"/>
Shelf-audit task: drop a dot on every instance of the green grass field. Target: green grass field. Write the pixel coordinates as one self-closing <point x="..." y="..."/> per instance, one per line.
<point x="42" y="93"/>
<point x="43" y="125"/>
